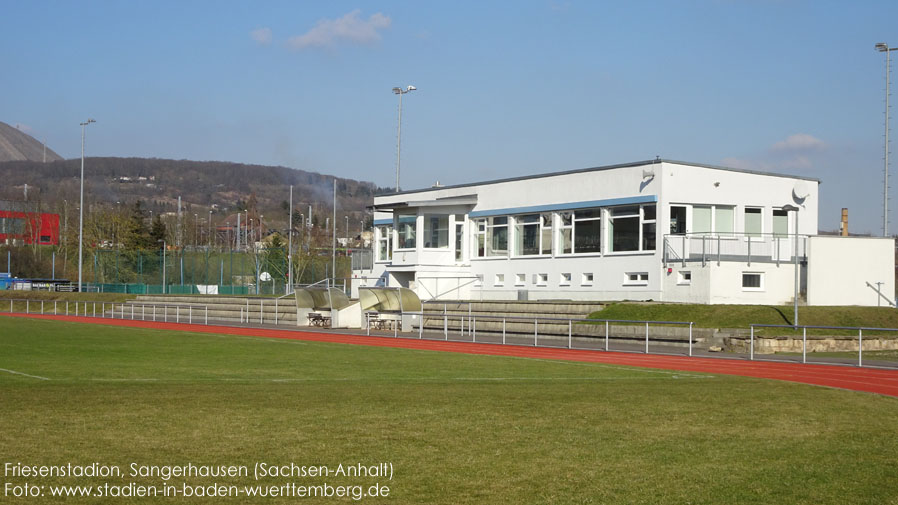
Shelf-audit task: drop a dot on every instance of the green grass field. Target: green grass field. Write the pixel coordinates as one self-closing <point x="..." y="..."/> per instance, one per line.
<point x="456" y="428"/>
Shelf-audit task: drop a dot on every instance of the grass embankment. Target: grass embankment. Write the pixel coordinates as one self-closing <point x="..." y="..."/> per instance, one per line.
<point x="742" y="316"/>
<point x="457" y="428"/>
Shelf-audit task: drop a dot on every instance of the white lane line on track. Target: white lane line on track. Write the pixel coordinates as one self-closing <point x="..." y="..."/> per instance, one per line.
<point x="24" y="374"/>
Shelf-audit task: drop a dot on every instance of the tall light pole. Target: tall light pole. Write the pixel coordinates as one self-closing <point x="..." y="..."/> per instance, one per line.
<point x="400" y="92"/>
<point x="289" y="288"/>
<point x="81" y="208"/>
<point x="794" y="208"/>
<point x="884" y="48"/>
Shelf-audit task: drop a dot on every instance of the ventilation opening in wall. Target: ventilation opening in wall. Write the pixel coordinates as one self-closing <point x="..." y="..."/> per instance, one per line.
<point x="586" y="279"/>
<point x="684" y="278"/>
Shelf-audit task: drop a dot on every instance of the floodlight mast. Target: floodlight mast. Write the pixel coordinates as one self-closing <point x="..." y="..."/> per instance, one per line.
<point x="81" y="208"/>
<point x="884" y="48"/>
<point x="400" y="92"/>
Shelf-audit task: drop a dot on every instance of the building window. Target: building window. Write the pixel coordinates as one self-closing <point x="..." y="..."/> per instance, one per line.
<point x="624" y="229"/>
<point x="717" y="219"/>
<point x="752" y="281"/>
<point x="459" y="237"/>
<point x="586" y="279"/>
<point x="677" y="220"/>
<point x="526" y="235"/>
<point x="406" y="231"/>
<point x="684" y="278"/>
<point x="780" y="223"/>
<point x="546" y="237"/>
<point x="588" y="231"/>
<point x="541" y="279"/>
<point x="499" y="280"/>
<point x="636" y="279"/>
<point x="565" y="232"/>
<point x="436" y="231"/>
<point x="384" y="240"/>
<point x="491" y="237"/>
<point x="520" y="279"/>
<point x="648" y="227"/>
<point x="497" y="236"/>
<point x="565" y="279"/>
<point x="753" y="222"/>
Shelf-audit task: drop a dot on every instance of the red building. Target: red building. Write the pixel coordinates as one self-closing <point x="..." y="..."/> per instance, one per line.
<point x="29" y="227"/>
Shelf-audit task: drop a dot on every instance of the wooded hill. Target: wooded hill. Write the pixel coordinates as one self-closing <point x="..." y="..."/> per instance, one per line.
<point x="223" y="187"/>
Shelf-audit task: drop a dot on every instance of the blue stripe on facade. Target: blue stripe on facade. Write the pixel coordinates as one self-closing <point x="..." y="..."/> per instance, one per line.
<point x="382" y="222"/>
<point x="566" y="206"/>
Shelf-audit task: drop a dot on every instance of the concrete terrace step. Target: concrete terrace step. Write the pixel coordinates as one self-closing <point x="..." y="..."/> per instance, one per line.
<point x="233" y="309"/>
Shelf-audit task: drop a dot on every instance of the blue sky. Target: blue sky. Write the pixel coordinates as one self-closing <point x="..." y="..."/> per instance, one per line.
<point x="504" y="88"/>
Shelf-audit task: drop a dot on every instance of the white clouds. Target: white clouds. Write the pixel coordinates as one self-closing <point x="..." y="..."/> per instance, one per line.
<point x="349" y="28"/>
<point x="800" y="152"/>
<point x="800" y="142"/>
<point x="262" y="36"/>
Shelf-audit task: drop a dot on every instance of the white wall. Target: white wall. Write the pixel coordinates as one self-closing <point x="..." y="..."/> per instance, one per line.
<point x="840" y="267"/>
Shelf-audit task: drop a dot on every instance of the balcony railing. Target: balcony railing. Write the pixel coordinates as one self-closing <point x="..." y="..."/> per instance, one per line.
<point x="733" y="247"/>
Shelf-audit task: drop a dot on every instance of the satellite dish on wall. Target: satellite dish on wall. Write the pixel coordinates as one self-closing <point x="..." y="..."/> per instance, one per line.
<point x="800" y="191"/>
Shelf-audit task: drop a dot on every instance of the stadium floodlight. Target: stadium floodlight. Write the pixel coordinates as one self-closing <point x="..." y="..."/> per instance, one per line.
<point x="884" y="48"/>
<point x="81" y="208"/>
<point x="400" y="92"/>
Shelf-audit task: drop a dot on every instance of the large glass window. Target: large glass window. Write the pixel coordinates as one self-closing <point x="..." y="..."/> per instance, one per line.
<point x="526" y="232"/>
<point x="497" y="236"/>
<point x="723" y="220"/>
<point x="384" y="251"/>
<point x="406" y="231"/>
<point x="624" y="228"/>
<point x="491" y="237"/>
<point x="588" y="231"/>
<point x="436" y="231"/>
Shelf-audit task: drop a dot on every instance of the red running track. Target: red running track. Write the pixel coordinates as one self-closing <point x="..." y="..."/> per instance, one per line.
<point x="884" y="382"/>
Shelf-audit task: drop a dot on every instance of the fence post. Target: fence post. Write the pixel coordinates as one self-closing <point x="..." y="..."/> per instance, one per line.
<point x="95" y="309"/>
<point x="27" y="308"/>
<point x="606" y="335"/>
<point x="445" y="324"/>
<point x="570" y="327"/>
<point x="396" y="327"/>
<point x="367" y="323"/>
<point x="143" y="311"/>
<point x="503" y="331"/>
<point x="751" y="344"/>
<point x="42" y="306"/>
<point x="421" y="325"/>
<point x="473" y="327"/>
<point x="276" y="311"/>
<point x="54" y="307"/>
<point x="860" y="347"/>
<point x="154" y="312"/>
<point x="132" y="311"/>
<point x="804" y="345"/>
<point x="646" y="337"/>
<point x="261" y="311"/>
<point x="690" y="339"/>
<point x="190" y="314"/>
<point x="207" y="315"/>
<point x="66" y="307"/>
<point x="535" y="332"/>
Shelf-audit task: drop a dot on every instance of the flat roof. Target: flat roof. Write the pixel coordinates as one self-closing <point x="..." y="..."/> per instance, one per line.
<point x="596" y="169"/>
